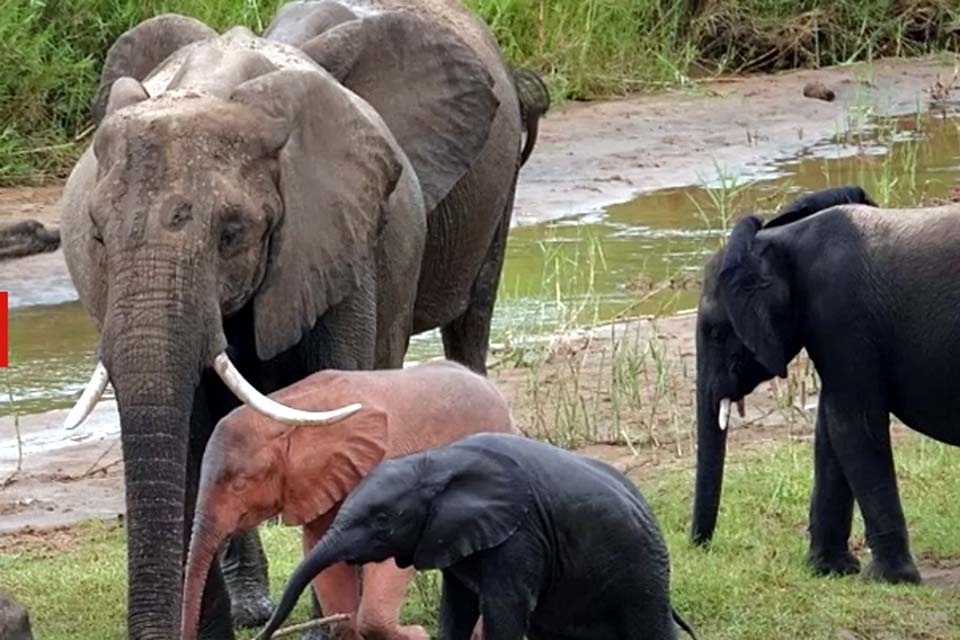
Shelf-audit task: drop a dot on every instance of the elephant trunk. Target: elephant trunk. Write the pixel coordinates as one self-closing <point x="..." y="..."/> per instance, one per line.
<point x="208" y="535"/>
<point x="331" y="549"/>
<point x="153" y="344"/>
<point x="711" y="451"/>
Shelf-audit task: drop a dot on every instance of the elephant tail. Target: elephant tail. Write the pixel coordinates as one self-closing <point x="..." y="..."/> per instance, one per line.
<point x="683" y="624"/>
<point x="534" y="103"/>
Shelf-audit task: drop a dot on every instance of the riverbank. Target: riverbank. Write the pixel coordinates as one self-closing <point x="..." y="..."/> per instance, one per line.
<point x="589" y="156"/>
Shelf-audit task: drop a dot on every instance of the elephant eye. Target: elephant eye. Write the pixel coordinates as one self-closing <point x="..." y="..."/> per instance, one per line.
<point x="231" y="237"/>
<point x="718" y="333"/>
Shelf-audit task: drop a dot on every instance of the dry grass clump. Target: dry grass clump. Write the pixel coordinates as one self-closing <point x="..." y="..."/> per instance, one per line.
<point x="765" y="35"/>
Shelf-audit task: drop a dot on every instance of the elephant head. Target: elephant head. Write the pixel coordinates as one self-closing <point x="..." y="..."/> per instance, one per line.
<point x="429" y="510"/>
<point x="255" y="468"/>
<point x="747" y="332"/>
<point x="241" y="193"/>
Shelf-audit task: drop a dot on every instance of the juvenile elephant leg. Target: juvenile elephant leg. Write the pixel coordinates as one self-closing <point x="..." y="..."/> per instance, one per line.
<point x="508" y="591"/>
<point x="831" y="509"/>
<point x="467" y="338"/>
<point x="859" y="431"/>
<point x="383" y="592"/>
<point x="244" y="566"/>
<point x="459" y="610"/>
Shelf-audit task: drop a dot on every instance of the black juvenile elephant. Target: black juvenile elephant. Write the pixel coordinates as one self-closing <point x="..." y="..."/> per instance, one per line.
<point x="872" y="296"/>
<point x="537" y="540"/>
<point x="244" y="218"/>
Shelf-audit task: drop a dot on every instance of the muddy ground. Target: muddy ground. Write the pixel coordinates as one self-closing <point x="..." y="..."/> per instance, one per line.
<point x="589" y="155"/>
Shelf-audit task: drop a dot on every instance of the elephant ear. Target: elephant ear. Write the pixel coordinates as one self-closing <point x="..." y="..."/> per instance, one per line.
<point x="427" y="84"/>
<point x="337" y="167"/>
<point x="140" y="50"/>
<point x="811" y="203"/>
<point x="325" y="463"/>
<point x="478" y="503"/>
<point x="755" y="297"/>
<point x="297" y="22"/>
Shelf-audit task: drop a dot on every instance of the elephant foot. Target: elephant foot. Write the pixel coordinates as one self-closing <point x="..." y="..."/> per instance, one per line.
<point x="833" y="564"/>
<point x="407" y="632"/>
<point x="250" y="610"/>
<point x="902" y="572"/>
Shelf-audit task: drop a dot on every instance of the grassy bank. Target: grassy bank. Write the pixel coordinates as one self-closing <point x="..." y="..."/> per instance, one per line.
<point x="53" y="49"/>
<point x="751" y="585"/>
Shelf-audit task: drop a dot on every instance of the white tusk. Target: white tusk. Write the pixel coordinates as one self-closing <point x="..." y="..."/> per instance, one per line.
<point x="271" y="408"/>
<point x="724" y="413"/>
<point x="89" y="398"/>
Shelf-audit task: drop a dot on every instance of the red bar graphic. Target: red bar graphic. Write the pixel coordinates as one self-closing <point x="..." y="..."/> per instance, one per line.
<point x="3" y="329"/>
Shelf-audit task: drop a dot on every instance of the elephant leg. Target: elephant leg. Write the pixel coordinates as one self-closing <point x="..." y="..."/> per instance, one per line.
<point x="244" y="566"/>
<point x="831" y="509"/>
<point x="466" y="339"/>
<point x="859" y="429"/>
<point x="509" y="579"/>
<point x="459" y="610"/>
<point x="384" y="589"/>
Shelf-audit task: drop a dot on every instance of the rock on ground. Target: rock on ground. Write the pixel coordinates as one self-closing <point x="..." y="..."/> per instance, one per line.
<point x="14" y="620"/>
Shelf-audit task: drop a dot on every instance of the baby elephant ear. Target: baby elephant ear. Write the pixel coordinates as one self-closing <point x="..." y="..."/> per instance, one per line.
<point x="427" y="84"/>
<point x="480" y="500"/>
<point x="140" y="50"/>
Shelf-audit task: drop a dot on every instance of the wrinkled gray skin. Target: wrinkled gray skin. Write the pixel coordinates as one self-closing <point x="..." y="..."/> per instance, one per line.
<point x="252" y="202"/>
<point x="215" y="214"/>
<point x="872" y="296"/>
<point x="541" y="542"/>
<point x="26" y="238"/>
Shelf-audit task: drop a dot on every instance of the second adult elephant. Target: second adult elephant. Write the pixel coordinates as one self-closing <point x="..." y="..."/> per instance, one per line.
<point x="872" y="295"/>
<point x="434" y="71"/>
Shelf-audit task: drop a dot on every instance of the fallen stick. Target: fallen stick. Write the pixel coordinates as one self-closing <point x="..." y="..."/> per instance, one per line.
<point x="312" y="624"/>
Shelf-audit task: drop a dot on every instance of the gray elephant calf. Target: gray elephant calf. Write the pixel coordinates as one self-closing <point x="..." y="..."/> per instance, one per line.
<point x="539" y="541"/>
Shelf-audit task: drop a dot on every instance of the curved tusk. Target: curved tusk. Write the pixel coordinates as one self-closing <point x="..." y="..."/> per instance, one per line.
<point x="741" y="408"/>
<point x="89" y="398"/>
<point x="271" y="408"/>
<point x="724" y="413"/>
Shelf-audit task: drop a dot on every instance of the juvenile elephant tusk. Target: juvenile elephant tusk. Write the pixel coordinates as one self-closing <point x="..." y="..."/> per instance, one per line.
<point x="271" y="408"/>
<point x="89" y="398"/>
<point x="724" y="418"/>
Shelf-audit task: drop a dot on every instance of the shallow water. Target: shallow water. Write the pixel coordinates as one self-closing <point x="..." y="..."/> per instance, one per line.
<point x="584" y="268"/>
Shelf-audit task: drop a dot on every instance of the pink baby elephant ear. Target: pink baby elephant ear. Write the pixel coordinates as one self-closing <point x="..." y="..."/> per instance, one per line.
<point x="325" y="464"/>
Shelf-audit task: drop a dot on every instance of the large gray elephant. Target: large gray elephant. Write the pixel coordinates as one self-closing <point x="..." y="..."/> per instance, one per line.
<point x="244" y="218"/>
<point x="469" y="179"/>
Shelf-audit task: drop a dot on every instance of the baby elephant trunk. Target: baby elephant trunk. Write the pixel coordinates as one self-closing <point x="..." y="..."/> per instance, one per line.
<point x="204" y="544"/>
<point x="330" y="550"/>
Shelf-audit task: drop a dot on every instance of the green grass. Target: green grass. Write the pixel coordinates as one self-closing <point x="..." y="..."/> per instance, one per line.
<point x="53" y="49"/>
<point x="751" y="584"/>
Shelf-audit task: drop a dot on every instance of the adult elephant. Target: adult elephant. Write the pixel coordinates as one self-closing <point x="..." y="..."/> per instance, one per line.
<point x="469" y="178"/>
<point x="871" y="294"/>
<point x="222" y="218"/>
